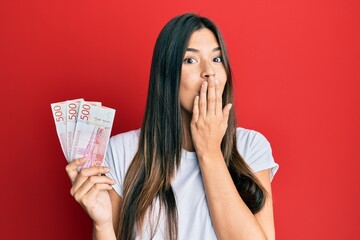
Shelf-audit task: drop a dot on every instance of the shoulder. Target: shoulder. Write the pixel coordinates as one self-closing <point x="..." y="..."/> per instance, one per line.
<point x="129" y="137"/>
<point x="123" y="146"/>
<point x="247" y="139"/>
<point x="256" y="150"/>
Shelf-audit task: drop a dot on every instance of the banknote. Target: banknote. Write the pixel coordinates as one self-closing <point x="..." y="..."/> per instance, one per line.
<point x="72" y="109"/>
<point x="59" y="114"/>
<point x="92" y="133"/>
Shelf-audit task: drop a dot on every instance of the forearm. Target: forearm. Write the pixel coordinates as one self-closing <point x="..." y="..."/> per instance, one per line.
<point x="105" y="232"/>
<point x="231" y="217"/>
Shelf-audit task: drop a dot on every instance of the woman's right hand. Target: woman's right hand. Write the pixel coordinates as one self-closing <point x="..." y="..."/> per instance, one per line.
<point x="90" y="190"/>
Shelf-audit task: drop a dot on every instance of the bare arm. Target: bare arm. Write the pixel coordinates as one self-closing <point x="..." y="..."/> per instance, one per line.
<point x="116" y="204"/>
<point x="266" y="216"/>
<point x="109" y="230"/>
<point x="231" y="217"/>
<point x="105" y="232"/>
<point x="90" y="189"/>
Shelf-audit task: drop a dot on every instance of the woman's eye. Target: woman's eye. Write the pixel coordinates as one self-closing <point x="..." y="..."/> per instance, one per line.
<point x="218" y="59"/>
<point x="189" y="60"/>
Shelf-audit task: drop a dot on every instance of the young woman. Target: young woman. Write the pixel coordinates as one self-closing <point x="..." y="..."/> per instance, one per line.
<point x="189" y="172"/>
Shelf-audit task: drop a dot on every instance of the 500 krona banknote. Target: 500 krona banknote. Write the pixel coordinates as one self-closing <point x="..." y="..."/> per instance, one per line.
<point x="83" y="129"/>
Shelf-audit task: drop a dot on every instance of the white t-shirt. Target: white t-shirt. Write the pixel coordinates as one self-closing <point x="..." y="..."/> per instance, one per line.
<point x="194" y="220"/>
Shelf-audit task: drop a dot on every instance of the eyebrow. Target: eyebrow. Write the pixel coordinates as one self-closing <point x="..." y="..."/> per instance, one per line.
<point x="196" y="50"/>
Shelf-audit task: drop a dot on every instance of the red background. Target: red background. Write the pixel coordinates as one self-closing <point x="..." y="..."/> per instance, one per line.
<point x="297" y="71"/>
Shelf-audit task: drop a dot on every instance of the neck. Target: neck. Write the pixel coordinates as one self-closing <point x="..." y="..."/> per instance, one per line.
<point x="187" y="143"/>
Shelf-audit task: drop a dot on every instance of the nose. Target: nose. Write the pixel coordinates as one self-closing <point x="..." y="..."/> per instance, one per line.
<point x="207" y="70"/>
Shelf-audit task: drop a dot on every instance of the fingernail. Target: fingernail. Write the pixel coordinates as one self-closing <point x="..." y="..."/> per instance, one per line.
<point x="204" y="84"/>
<point x="106" y="168"/>
<point x="83" y="160"/>
<point x="216" y="82"/>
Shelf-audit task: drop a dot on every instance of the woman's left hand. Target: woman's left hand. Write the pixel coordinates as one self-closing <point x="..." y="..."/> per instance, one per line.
<point x="209" y="120"/>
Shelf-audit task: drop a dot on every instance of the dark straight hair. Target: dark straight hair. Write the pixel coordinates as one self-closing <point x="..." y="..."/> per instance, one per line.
<point x="154" y="165"/>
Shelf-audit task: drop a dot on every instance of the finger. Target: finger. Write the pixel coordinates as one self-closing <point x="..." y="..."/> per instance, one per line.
<point x="202" y="100"/>
<point x="226" y="112"/>
<point x="84" y="174"/>
<point x="218" y="108"/>
<point x="211" y="96"/>
<point x="72" y="167"/>
<point x="90" y="183"/>
<point x="195" y="115"/>
<point x="93" y="193"/>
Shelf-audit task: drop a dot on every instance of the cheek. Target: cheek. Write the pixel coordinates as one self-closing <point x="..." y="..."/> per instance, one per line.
<point x="222" y="74"/>
<point x="189" y="89"/>
<point x="223" y="80"/>
<point x="187" y="96"/>
<point x="223" y="86"/>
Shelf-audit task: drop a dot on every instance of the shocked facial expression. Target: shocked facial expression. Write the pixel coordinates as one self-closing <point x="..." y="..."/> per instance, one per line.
<point x="202" y="61"/>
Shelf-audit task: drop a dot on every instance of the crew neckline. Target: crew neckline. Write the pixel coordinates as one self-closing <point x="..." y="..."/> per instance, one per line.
<point x="188" y="154"/>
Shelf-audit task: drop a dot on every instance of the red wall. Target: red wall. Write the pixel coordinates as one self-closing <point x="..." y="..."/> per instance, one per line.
<point x="297" y="72"/>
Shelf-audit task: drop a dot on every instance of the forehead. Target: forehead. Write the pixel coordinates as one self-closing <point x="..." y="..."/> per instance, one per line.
<point x="203" y="38"/>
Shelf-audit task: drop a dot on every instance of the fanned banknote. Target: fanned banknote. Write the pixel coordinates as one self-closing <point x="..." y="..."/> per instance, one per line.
<point x="72" y="110"/>
<point x="59" y="114"/>
<point x="83" y="129"/>
<point x="92" y="133"/>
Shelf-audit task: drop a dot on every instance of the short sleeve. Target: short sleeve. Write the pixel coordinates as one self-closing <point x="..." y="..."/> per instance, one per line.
<point x="256" y="151"/>
<point x="119" y="155"/>
<point x="114" y="168"/>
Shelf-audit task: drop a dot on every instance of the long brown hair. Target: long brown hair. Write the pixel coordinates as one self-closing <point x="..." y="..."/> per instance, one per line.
<point x="159" y="153"/>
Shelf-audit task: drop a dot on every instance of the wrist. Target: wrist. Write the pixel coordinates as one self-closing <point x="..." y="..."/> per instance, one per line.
<point x="104" y="232"/>
<point x="209" y="156"/>
<point x="104" y="227"/>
